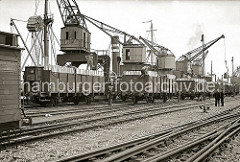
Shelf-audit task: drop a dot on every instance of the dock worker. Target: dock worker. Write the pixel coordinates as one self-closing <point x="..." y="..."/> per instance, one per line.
<point x="217" y="98"/>
<point x="110" y="94"/>
<point x="89" y="59"/>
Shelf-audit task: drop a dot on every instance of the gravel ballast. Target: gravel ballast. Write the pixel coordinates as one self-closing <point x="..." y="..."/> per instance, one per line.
<point x="77" y="143"/>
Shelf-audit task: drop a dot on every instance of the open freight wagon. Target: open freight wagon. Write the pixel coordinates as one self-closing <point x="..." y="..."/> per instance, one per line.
<point x="63" y="84"/>
<point x="149" y="86"/>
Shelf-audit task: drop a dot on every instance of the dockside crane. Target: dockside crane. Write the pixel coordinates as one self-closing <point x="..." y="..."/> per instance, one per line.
<point x="118" y="38"/>
<point x="195" y="56"/>
<point x="157" y="49"/>
<point x="200" y="60"/>
<point x="112" y="31"/>
<point x="236" y="73"/>
<point x="75" y="36"/>
<point x="235" y="79"/>
<point x="161" y="53"/>
<point x="76" y="51"/>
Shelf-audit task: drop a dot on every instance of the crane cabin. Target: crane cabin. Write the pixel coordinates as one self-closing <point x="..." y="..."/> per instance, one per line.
<point x="75" y="38"/>
<point x="134" y="53"/>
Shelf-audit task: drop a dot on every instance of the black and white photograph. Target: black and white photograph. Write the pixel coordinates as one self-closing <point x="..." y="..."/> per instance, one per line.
<point x="119" y="80"/>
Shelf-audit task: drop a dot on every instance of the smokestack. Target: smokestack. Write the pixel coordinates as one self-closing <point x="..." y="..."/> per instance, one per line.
<point x="232" y="64"/>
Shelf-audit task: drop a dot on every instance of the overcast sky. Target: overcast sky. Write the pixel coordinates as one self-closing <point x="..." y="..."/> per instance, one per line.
<point x="179" y="24"/>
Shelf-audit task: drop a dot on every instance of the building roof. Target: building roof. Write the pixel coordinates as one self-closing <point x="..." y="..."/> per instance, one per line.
<point x="8" y="33"/>
<point x="11" y="47"/>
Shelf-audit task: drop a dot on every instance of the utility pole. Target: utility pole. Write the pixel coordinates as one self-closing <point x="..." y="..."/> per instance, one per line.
<point x="46" y="22"/>
<point x="151" y="33"/>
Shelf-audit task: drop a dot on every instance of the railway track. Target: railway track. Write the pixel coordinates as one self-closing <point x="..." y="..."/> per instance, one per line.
<point x="62" y="125"/>
<point x="37" y="113"/>
<point x="131" y="108"/>
<point x="199" y="149"/>
<point x="163" y="145"/>
<point x="83" y="125"/>
<point x="115" y="120"/>
<point x="117" y="108"/>
<point x="98" y="111"/>
<point x="87" y="109"/>
<point x="228" y="150"/>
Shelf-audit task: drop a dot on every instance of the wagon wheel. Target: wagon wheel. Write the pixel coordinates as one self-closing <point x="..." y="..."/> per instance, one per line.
<point x="147" y="99"/>
<point x="152" y="99"/>
<point x="182" y="97"/>
<point x="43" y="104"/>
<point x="75" y="100"/>
<point x="53" y="101"/>
<point x="192" y="97"/>
<point x="135" y="100"/>
<point x="123" y="98"/>
<point x="88" y="100"/>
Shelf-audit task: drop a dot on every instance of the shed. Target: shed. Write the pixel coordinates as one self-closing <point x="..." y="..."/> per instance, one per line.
<point x="10" y="92"/>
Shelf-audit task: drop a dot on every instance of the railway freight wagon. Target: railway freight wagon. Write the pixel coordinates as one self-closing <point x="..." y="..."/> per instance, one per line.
<point x="237" y="88"/>
<point x="227" y="88"/>
<point x="191" y="87"/>
<point x="149" y="86"/>
<point x="10" y="103"/>
<point x="62" y="84"/>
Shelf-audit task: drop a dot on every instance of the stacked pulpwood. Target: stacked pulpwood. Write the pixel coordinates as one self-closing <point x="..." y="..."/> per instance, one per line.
<point x="62" y="84"/>
<point x="137" y="86"/>
<point x="10" y="104"/>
